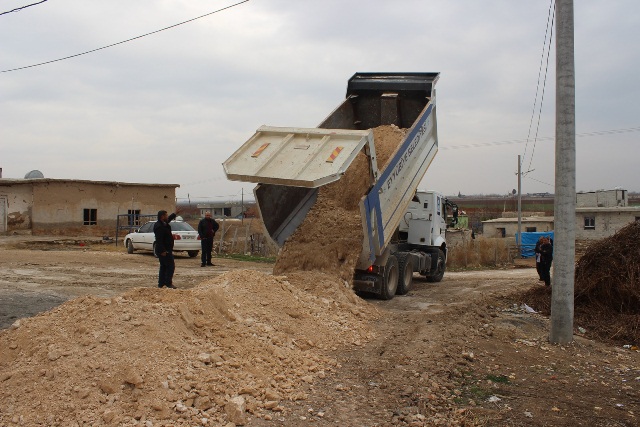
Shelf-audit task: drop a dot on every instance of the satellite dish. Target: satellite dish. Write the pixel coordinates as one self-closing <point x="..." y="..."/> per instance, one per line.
<point x="513" y="191"/>
<point x="34" y="174"/>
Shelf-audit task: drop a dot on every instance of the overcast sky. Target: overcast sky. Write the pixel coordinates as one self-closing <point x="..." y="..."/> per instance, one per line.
<point x="172" y="106"/>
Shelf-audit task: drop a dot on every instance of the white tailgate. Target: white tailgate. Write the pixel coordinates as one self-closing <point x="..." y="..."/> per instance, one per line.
<point x="301" y="157"/>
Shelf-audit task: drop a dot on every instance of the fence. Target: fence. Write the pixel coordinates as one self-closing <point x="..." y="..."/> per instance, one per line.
<point x="243" y="236"/>
<point x="131" y="222"/>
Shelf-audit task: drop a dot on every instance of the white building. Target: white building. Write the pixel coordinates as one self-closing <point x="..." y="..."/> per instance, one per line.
<point x="602" y="213"/>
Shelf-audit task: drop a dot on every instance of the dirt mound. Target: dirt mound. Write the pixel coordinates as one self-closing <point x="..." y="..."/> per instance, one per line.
<point x="330" y="238"/>
<point x="186" y="357"/>
<point x="607" y="288"/>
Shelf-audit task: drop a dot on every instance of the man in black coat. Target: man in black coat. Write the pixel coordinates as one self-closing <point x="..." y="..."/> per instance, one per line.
<point x="164" y="249"/>
<point x="546" y="258"/>
<point x="207" y="228"/>
<point x="537" y="252"/>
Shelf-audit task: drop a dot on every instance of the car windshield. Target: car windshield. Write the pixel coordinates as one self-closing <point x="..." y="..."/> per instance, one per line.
<point x="180" y="226"/>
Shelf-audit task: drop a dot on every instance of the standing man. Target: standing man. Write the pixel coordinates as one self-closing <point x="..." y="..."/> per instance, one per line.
<point x="538" y="255"/>
<point x="207" y="228"/>
<point x="164" y="249"/>
<point x="546" y="258"/>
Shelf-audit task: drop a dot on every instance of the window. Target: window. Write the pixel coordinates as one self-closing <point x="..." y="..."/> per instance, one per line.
<point x="147" y="228"/>
<point x="90" y="217"/>
<point x="532" y="229"/>
<point x="589" y="222"/>
<point x="502" y="232"/>
<point x="134" y="216"/>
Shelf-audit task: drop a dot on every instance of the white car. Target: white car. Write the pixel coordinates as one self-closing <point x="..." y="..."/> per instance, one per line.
<point x="185" y="238"/>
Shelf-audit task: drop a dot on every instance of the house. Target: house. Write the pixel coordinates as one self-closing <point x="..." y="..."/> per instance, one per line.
<point x="602" y="213"/>
<point x="599" y="214"/>
<point x="224" y="209"/>
<point x="77" y="207"/>
<point x="508" y="226"/>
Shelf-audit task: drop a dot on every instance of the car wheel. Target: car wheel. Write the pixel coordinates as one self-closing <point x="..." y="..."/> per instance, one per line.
<point x="193" y="254"/>
<point x="130" y="246"/>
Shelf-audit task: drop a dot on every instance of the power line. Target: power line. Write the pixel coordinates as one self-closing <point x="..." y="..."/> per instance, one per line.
<point x="544" y="138"/>
<point x="21" y="7"/>
<point x="125" y="41"/>
<point x="535" y="99"/>
<point x="544" y="85"/>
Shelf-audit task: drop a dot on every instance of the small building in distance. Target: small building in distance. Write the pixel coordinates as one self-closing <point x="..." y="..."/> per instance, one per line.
<point x="602" y="213"/>
<point x="507" y="226"/>
<point x="74" y="207"/>
<point x="224" y="209"/>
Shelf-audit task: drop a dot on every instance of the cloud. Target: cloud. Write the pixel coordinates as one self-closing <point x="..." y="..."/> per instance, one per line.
<point x="171" y="107"/>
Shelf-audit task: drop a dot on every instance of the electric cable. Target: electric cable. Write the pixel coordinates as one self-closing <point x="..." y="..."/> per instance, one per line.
<point x="125" y="41"/>
<point x="17" y="9"/>
<point x="544" y="138"/>
<point x="544" y="85"/>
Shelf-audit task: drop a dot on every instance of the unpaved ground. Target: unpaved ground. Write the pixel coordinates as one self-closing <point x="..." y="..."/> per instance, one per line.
<point x="459" y="352"/>
<point x="55" y="270"/>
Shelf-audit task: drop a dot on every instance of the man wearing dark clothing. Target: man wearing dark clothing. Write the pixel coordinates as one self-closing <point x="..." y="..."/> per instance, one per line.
<point x="537" y="252"/>
<point x="207" y="228"/>
<point x="164" y="249"/>
<point x="546" y="257"/>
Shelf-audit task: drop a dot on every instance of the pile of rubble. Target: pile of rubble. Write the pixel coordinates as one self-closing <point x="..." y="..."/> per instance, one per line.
<point x="242" y="345"/>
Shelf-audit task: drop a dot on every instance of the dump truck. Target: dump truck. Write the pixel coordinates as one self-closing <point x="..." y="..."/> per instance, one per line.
<point x="403" y="228"/>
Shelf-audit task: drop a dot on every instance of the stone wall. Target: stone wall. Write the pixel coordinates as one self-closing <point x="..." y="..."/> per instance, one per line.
<point x="19" y="202"/>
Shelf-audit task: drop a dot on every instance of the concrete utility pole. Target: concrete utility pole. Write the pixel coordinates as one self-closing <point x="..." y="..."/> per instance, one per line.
<point x="565" y="197"/>
<point x="519" y="241"/>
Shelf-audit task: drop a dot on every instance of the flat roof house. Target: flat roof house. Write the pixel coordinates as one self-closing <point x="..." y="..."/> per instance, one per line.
<point x="77" y="207"/>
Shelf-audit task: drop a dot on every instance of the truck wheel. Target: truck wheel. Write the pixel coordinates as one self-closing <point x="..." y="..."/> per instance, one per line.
<point x="192" y="254"/>
<point x="439" y="272"/>
<point x="130" y="246"/>
<point x="405" y="268"/>
<point x="390" y="279"/>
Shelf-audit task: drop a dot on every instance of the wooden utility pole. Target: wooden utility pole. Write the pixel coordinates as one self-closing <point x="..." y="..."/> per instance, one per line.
<point x="565" y="183"/>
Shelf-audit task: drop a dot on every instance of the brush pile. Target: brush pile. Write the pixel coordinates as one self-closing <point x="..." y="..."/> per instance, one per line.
<point x="609" y="272"/>
<point x="607" y="289"/>
<point x="607" y="286"/>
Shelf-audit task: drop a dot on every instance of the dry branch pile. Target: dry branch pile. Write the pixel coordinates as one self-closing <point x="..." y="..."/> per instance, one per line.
<point x="607" y="288"/>
<point x="608" y="274"/>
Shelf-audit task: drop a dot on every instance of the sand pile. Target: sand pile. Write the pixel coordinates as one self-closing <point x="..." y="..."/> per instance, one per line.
<point x="330" y="238"/>
<point x="243" y="344"/>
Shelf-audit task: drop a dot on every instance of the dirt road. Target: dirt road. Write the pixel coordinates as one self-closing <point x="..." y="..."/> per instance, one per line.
<point x="461" y="352"/>
<point x="52" y="271"/>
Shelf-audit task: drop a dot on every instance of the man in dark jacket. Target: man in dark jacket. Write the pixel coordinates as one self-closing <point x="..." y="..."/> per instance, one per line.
<point x="546" y="258"/>
<point x="164" y="249"/>
<point x="537" y="252"/>
<point x="207" y="228"/>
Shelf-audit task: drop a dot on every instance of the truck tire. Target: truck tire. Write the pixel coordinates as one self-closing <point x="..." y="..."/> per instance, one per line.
<point x="130" y="246"/>
<point x="390" y="279"/>
<point x="439" y="272"/>
<point x="405" y="269"/>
